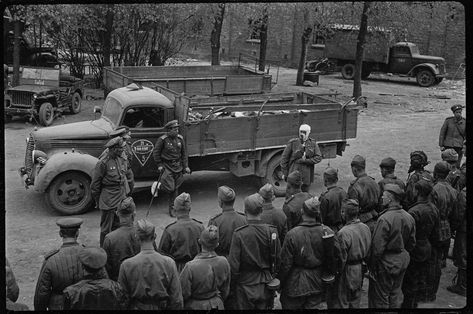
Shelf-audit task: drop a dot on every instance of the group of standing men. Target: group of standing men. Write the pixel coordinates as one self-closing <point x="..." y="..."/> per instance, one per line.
<point x="313" y="250"/>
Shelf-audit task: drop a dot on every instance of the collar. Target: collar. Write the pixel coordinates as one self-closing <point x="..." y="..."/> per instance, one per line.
<point x="310" y="223"/>
<point x="331" y="187"/>
<point x="126" y="224"/>
<point x="390" y="208"/>
<point x="228" y="209"/>
<point x="69" y="243"/>
<point x="255" y="221"/>
<point x="353" y="221"/>
<point x="205" y="255"/>
<point x="363" y="175"/>
<point x="268" y="206"/>
<point x="390" y="176"/>
<point x="184" y="218"/>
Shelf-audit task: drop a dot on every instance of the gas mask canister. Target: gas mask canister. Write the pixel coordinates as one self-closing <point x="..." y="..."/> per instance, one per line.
<point x="304" y="131"/>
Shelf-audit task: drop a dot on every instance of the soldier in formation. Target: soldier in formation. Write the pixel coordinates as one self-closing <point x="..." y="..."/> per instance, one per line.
<point x="271" y="215"/>
<point x="295" y="197"/>
<point x="331" y="200"/>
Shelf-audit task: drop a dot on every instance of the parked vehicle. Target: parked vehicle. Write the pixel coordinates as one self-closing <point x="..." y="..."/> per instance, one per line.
<point x="44" y="94"/>
<point x="241" y="134"/>
<point x="381" y="54"/>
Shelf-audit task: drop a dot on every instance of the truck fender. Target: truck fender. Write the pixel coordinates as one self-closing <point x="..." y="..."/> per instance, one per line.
<point x="429" y="66"/>
<point x="263" y="163"/>
<point x="62" y="162"/>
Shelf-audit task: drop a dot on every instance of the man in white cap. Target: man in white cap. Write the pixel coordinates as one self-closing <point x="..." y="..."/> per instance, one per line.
<point x="301" y="153"/>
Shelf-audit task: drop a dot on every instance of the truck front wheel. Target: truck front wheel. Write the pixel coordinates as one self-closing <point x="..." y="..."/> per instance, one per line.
<point x="274" y="176"/>
<point x="69" y="193"/>
<point x="425" y="78"/>
<point x="46" y="114"/>
<point x="348" y="71"/>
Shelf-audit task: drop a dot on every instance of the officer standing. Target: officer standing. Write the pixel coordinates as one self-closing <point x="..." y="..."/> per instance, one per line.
<point x="301" y="154"/>
<point x="354" y="241"/>
<point x="180" y="238"/>
<point x="416" y="172"/>
<point x="149" y="278"/>
<point x="111" y="182"/>
<point x="271" y="215"/>
<point x="392" y="240"/>
<point x="365" y="190"/>
<point x="171" y="157"/>
<point x="125" y="134"/>
<point x="205" y="280"/>
<point x="295" y="197"/>
<point x="254" y="259"/>
<point x="123" y="242"/>
<point x="302" y="259"/>
<point x="61" y="267"/>
<point x="94" y="291"/>
<point x="452" y="133"/>
<point x="331" y="200"/>
<point x="227" y="221"/>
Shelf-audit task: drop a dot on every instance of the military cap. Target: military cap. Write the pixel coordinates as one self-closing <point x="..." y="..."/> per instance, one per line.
<point x="331" y="172"/>
<point x="182" y="202"/>
<point x="171" y="124"/>
<point x="127" y="206"/>
<point x="267" y="192"/>
<point x="93" y="257"/>
<point x="358" y="161"/>
<point x="115" y="142"/>
<point x="388" y="163"/>
<point x="450" y="155"/>
<point x="395" y="190"/>
<point x="69" y="222"/>
<point x="442" y="167"/>
<point x="294" y="178"/>
<point x="312" y="206"/>
<point x="253" y="203"/>
<point x="225" y="193"/>
<point x="418" y="154"/>
<point x="120" y="131"/>
<point x="456" y="107"/>
<point x="209" y="237"/>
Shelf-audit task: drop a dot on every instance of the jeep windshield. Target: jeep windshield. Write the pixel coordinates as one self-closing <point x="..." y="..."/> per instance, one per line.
<point x="112" y="110"/>
<point x="415" y="50"/>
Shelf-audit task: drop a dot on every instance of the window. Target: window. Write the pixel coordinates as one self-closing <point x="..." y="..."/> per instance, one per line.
<point x="318" y="38"/>
<point x="402" y="50"/>
<point x="144" y="117"/>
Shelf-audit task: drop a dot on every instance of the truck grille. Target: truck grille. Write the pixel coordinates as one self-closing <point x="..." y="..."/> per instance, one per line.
<point x="21" y="99"/>
<point x="28" y="156"/>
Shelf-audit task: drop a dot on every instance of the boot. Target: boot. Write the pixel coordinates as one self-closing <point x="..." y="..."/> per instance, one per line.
<point x="459" y="287"/>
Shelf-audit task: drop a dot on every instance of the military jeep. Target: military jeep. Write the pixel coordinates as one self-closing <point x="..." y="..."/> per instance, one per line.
<point x="44" y="94"/>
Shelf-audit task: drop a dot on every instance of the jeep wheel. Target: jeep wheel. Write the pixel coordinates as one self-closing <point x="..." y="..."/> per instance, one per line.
<point x="46" y="114"/>
<point x="274" y="176"/>
<point x="425" y="78"/>
<point x="348" y="71"/>
<point x="69" y="193"/>
<point x="76" y="102"/>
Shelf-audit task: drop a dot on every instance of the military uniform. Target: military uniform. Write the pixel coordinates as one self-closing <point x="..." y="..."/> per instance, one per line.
<point x="330" y="207"/>
<point x="227" y="221"/>
<point x="426" y="219"/>
<point x="275" y="217"/>
<point x="301" y="267"/>
<point x="452" y="135"/>
<point x="391" y="178"/>
<point x="179" y="240"/>
<point x="410" y="198"/>
<point x="250" y="264"/>
<point x="454" y="179"/>
<point x="365" y="190"/>
<point x="291" y="160"/>
<point x="292" y="208"/>
<point x="154" y="287"/>
<point x="205" y="282"/>
<point x="392" y="240"/>
<point x="355" y="241"/>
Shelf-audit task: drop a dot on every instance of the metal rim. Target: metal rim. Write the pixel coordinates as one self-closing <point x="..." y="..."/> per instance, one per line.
<point x="425" y="78"/>
<point x="75" y="102"/>
<point x="71" y="192"/>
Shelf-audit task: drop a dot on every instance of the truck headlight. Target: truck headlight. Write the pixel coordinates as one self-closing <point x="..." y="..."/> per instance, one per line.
<point x="35" y="96"/>
<point x="39" y="156"/>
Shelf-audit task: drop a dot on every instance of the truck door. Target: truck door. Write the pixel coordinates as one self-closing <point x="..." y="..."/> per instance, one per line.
<point x="400" y="60"/>
<point x="146" y="124"/>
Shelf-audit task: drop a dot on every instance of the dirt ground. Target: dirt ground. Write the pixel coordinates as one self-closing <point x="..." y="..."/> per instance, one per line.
<point x="401" y="117"/>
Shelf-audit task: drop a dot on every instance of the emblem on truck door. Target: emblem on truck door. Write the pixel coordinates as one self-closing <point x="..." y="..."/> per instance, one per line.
<point x="142" y="149"/>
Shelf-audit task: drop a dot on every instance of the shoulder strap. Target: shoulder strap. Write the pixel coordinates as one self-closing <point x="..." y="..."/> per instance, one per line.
<point x="459" y="131"/>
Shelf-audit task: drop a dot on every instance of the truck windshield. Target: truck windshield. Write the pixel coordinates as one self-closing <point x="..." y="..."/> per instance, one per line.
<point x="112" y="110"/>
<point x="415" y="50"/>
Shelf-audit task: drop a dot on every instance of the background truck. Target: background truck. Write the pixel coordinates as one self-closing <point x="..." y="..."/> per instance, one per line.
<point x="43" y="94"/>
<point x="381" y="54"/>
<point x="241" y="134"/>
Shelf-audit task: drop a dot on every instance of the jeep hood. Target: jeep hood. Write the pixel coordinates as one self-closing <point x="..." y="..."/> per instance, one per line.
<point x="84" y="130"/>
<point x="33" y="88"/>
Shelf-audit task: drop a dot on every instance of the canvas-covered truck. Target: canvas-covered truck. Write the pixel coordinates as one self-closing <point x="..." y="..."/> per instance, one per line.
<point x="241" y="134"/>
<point x="381" y="54"/>
<point x="191" y="80"/>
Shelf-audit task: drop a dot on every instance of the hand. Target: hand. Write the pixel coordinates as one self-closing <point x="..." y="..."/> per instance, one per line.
<point x="160" y="169"/>
<point x="187" y="170"/>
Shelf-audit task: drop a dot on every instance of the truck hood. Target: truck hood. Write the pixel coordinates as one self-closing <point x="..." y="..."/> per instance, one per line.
<point x="429" y="59"/>
<point x="33" y="88"/>
<point x="83" y="130"/>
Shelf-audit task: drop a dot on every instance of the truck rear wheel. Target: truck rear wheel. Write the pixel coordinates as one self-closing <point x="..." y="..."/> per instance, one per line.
<point x="69" y="193"/>
<point x="46" y="114"/>
<point x="76" y="102"/>
<point x="274" y="176"/>
<point x="348" y="71"/>
<point x="425" y="78"/>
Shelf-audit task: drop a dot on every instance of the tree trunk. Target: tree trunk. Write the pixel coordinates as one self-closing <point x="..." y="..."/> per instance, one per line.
<point x="263" y="40"/>
<point x="107" y="40"/>
<point x="16" y="53"/>
<point x="293" y="39"/>
<point x="215" y="34"/>
<point x="360" y="49"/>
<point x="300" y="69"/>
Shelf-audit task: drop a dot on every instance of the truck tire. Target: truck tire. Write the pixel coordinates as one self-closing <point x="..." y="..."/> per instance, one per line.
<point x="425" y="78"/>
<point x="76" y="103"/>
<point x="69" y="193"/>
<point x="46" y="114"/>
<point x="348" y="71"/>
<point x="274" y="176"/>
